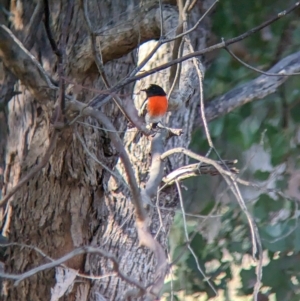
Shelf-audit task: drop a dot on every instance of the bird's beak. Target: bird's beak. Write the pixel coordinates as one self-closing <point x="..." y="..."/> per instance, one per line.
<point x="144" y="90"/>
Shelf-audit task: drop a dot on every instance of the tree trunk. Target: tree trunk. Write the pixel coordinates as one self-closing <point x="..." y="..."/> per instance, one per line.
<point x="75" y="201"/>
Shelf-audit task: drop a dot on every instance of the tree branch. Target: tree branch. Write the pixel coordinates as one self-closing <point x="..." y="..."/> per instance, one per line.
<point x="258" y="70"/>
<point x="197" y="169"/>
<point x="97" y="54"/>
<point x="136" y="28"/>
<point x="118" y="144"/>
<point x="255" y="89"/>
<point x="75" y="252"/>
<point x="231" y="181"/>
<point x="60" y="53"/>
<point x="33" y="26"/>
<point x="145" y="238"/>
<point x="188" y="240"/>
<point x="221" y="168"/>
<point x="25" y="66"/>
<point x="156" y="167"/>
<point x="211" y="48"/>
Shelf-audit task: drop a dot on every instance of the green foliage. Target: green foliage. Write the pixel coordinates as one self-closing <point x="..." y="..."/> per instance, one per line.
<point x="271" y="124"/>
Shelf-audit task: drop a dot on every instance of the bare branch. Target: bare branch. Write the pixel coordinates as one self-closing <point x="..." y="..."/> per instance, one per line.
<point x="197" y="169"/>
<point x="156" y="168"/>
<point x="60" y="53"/>
<point x="118" y="178"/>
<point x="258" y="70"/>
<point x="194" y="156"/>
<point x="145" y="238"/>
<point x="97" y="53"/>
<point x="44" y="255"/>
<point x="187" y="238"/>
<point x="178" y="44"/>
<point x="24" y="66"/>
<point x="211" y="48"/>
<point x="48" y="30"/>
<point x="219" y="168"/>
<point x="16" y="57"/>
<point x="231" y="180"/>
<point x="255" y="89"/>
<point x="138" y="27"/>
<point x="175" y="69"/>
<point x="75" y="252"/>
<point x="34" y="24"/>
<point x="117" y="142"/>
<point x="200" y="74"/>
<point x="180" y="35"/>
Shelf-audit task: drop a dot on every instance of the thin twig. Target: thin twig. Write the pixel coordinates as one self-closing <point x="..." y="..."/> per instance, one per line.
<point x="258" y="70"/>
<point x="233" y="186"/>
<point x="33" y="25"/>
<point x="188" y="239"/>
<point x="48" y="29"/>
<point x="75" y="252"/>
<point x="206" y="160"/>
<point x="44" y="255"/>
<point x="197" y="169"/>
<point x="232" y="183"/>
<point x="62" y="59"/>
<point x="176" y="46"/>
<point x="98" y="57"/>
<point x="255" y="237"/>
<point x="194" y="27"/>
<point x="202" y="108"/>
<point x="141" y="217"/>
<point x="208" y="49"/>
<point x="161" y="16"/>
<point x="98" y="161"/>
<point x="60" y="53"/>
<point x="104" y="129"/>
<point x="177" y="74"/>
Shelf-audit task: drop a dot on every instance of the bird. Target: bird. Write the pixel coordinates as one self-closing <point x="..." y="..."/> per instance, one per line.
<point x="156" y="104"/>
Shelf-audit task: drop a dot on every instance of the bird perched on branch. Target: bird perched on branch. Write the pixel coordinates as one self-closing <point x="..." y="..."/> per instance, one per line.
<point x="156" y="105"/>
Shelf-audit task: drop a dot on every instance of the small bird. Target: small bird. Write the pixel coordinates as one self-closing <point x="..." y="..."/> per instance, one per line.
<point x="157" y="105"/>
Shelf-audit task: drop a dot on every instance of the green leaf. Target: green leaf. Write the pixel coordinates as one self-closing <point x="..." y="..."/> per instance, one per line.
<point x="248" y="279"/>
<point x="265" y="206"/>
<point x="295" y="112"/>
<point x="216" y="127"/>
<point x="273" y="275"/>
<point x="280" y="146"/>
<point x="261" y="175"/>
<point x="297" y="239"/>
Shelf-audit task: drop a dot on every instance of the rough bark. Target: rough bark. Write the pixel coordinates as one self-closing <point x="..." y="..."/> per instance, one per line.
<point x="74" y="201"/>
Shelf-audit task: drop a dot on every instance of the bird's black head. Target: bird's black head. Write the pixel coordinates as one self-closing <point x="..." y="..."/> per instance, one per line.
<point x="154" y="90"/>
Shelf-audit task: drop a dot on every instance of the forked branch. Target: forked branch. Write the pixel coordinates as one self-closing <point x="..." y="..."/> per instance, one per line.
<point x="141" y="217"/>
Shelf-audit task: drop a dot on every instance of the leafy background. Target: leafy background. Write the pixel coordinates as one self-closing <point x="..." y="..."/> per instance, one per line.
<point x="264" y="136"/>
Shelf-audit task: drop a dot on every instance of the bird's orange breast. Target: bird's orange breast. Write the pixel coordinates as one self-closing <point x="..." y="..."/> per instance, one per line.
<point x="157" y="105"/>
